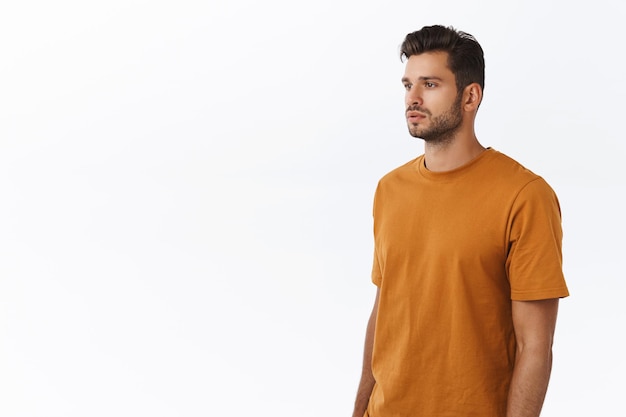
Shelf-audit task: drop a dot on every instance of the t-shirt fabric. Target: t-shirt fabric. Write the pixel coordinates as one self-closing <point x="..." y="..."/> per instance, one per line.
<point x="452" y="249"/>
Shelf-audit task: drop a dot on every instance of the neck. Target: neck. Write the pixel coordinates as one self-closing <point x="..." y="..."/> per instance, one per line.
<point x="449" y="155"/>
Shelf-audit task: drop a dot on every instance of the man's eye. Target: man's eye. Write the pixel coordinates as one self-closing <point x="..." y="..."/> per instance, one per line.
<point x="429" y="84"/>
<point x="407" y="87"/>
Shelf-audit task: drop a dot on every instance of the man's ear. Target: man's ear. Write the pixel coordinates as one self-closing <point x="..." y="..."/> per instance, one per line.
<point x="472" y="96"/>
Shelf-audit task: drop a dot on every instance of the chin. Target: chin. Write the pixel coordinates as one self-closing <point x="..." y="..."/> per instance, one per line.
<point x="416" y="133"/>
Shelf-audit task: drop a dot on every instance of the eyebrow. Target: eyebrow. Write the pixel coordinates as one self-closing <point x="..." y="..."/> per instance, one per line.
<point x="430" y="77"/>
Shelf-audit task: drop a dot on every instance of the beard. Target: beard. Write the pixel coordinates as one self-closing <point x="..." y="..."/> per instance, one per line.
<point x="442" y="128"/>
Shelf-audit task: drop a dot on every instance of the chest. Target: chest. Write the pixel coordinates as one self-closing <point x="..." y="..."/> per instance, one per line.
<point x="449" y="222"/>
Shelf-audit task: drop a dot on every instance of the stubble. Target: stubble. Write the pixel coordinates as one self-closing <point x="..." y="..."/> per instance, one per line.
<point x="443" y="128"/>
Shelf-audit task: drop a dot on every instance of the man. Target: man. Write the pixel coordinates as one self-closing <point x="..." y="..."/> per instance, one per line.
<point x="467" y="258"/>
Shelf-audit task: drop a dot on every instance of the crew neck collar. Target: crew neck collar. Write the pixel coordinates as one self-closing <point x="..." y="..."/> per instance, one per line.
<point x="454" y="173"/>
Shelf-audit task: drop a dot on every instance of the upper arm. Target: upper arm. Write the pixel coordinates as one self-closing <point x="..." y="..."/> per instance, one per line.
<point x="534" y="323"/>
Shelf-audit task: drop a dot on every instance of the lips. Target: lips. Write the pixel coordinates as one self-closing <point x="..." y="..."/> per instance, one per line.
<point x="415" y="116"/>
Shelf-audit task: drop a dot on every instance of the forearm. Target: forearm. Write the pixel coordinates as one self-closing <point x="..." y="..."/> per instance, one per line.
<point x="363" y="394"/>
<point x="530" y="382"/>
<point x="366" y="384"/>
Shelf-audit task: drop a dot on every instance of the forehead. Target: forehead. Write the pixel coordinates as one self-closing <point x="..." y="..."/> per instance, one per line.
<point x="428" y="64"/>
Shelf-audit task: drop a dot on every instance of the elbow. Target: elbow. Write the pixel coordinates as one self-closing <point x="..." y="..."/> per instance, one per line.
<point x="537" y="354"/>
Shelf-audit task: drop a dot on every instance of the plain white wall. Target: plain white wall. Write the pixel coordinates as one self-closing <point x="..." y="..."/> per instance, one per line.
<point x="186" y="189"/>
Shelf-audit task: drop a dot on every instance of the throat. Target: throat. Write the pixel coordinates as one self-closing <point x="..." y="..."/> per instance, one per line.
<point x="447" y="156"/>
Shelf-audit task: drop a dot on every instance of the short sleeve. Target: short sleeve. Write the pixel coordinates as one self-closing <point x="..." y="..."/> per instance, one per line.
<point x="534" y="258"/>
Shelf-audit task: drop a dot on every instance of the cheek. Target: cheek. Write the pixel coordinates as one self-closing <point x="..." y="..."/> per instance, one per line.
<point x="441" y="102"/>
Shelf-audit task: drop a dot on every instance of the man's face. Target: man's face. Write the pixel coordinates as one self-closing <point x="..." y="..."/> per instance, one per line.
<point x="433" y="107"/>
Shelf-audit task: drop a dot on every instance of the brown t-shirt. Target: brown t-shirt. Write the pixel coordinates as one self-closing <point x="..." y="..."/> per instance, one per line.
<point x="452" y="249"/>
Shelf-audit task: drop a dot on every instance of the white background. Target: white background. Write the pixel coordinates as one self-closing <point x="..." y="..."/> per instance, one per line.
<point x="186" y="189"/>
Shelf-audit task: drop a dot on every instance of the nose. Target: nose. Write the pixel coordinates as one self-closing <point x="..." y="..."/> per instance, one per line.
<point x="413" y="96"/>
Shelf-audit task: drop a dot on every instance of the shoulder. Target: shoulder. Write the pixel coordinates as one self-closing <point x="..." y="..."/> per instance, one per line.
<point x="507" y="165"/>
<point x="528" y="192"/>
<point x="403" y="172"/>
<point x="513" y="174"/>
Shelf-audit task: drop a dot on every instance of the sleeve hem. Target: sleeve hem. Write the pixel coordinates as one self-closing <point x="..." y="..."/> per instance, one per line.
<point x="376" y="281"/>
<point x="539" y="295"/>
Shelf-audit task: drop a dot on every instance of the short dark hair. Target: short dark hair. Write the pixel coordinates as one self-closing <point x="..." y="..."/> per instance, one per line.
<point x="465" y="55"/>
